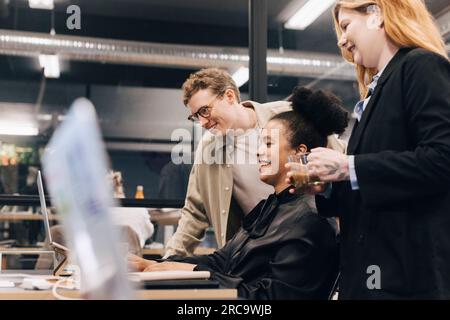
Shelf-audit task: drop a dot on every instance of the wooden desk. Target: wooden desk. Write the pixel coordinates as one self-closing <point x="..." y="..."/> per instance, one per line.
<point x="26" y="217"/>
<point x="160" y="252"/>
<point x="34" y="249"/>
<point x="187" y="294"/>
<point x="162" y="217"/>
<point x="157" y="216"/>
<point x="145" y="251"/>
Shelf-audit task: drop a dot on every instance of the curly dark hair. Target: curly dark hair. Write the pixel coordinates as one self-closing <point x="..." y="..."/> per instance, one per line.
<point x="315" y="116"/>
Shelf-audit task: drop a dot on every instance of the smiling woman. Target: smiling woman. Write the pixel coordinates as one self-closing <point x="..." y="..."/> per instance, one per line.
<point x="284" y="250"/>
<point x="392" y="191"/>
<point x="371" y="26"/>
<point x="315" y="116"/>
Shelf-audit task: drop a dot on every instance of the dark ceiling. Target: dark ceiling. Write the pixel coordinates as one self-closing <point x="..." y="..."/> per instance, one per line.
<point x="212" y="12"/>
<point x="199" y="22"/>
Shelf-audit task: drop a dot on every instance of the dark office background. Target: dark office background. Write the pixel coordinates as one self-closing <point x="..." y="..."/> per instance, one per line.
<point x="139" y="106"/>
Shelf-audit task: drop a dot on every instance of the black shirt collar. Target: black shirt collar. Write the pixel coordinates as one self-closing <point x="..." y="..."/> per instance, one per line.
<point x="285" y="195"/>
<point x="259" y="219"/>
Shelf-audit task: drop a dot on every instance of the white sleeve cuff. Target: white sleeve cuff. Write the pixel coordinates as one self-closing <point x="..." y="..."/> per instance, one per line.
<point x="352" y="171"/>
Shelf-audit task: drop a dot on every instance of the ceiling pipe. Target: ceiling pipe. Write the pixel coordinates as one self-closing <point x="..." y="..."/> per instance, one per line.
<point x="288" y="63"/>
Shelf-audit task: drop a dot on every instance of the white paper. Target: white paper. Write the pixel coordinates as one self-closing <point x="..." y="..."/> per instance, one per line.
<point x="6" y="284"/>
<point x="169" y="275"/>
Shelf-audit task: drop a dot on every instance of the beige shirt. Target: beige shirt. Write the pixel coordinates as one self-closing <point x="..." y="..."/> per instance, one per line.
<point x="209" y="194"/>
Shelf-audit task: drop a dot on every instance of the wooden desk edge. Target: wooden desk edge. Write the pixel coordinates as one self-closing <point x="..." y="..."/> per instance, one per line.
<point x="174" y="294"/>
<point x="198" y="250"/>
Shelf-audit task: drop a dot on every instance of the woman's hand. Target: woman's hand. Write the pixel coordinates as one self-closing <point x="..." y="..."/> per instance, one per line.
<point x="137" y="263"/>
<point x="170" y="266"/>
<point x="328" y="165"/>
<point x="299" y="181"/>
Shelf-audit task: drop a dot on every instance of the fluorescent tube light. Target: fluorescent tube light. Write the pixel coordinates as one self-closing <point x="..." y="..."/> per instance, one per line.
<point x="50" y="63"/>
<point x="308" y="13"/>
<point x="14" y="128"/>
<point x="41" y="4"/>
<point x="240" y="76"/>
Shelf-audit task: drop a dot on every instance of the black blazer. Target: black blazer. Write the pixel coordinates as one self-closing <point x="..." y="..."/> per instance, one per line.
<point x="284" y="250"/>
<point x="399" y="219"/>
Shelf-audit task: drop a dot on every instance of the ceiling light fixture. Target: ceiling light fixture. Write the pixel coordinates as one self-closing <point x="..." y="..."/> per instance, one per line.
<point x="17" y="128"/>
<point x="41" y="4"/>
<point x="50" y="64"/>
<point x="240" y="76"/>
<point x="308" y="13"/>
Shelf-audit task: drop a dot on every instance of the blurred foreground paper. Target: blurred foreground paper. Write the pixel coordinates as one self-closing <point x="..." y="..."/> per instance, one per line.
<point x="75" y="168"/>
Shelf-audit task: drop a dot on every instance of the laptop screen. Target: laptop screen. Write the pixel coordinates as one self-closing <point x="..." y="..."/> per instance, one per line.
<point x="44" y="207"/>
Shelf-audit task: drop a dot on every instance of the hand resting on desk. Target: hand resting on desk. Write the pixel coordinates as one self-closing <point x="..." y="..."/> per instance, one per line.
<point x="140" y="264"/>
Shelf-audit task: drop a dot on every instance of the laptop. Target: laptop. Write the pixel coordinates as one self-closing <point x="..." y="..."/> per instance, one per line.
<point x="26" y="262"/>
<point x="179" y="279"/>
<point x="75" y="169"/>
<point x="58" y="248"/>
<point x="29" y="261"/>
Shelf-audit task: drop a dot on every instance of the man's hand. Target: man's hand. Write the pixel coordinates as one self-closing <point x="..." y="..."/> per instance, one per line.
<point x="136" y="263"/>
<point x="328" y="165"/>
<point x="170" y="266"/>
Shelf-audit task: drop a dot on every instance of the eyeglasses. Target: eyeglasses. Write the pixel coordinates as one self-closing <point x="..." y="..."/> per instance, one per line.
<point x="204" y="111"/>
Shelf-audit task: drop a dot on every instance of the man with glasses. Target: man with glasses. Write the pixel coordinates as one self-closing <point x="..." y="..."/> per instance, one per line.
<point x="219" y="194"/>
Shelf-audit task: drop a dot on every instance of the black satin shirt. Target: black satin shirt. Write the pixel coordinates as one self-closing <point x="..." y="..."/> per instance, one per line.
<point x="284" y="250"/>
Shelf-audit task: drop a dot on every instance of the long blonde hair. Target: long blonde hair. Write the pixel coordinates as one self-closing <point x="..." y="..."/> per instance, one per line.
<point x="407" y="24"/>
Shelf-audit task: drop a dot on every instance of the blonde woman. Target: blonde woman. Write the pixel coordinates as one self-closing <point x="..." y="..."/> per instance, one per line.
<point x="392" y="189"/>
